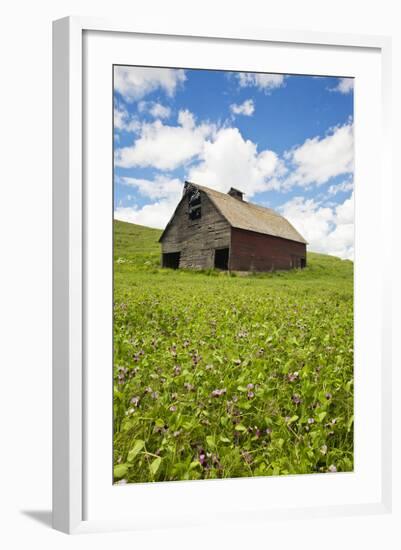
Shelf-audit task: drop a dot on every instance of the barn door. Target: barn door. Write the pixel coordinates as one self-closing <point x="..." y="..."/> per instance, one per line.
<point x="221" y="256"/>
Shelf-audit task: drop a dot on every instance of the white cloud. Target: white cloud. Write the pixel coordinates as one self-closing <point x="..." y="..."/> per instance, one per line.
<point x="329" y="230"/>
<point x="166" y="147"/>
<point x="344" y="86"/>
<point x="319" y="159"/>
<point x="157" y="110"/>
<point x="155" y="214"/>
<point x="262" y="81"/>
<point x="160" y="187"/>
<point x="246" y="108"/>
<point x="346" y="185"/>
<point x="134" y="83"/>
<point x="123" y="121"/>
<point x="230" y="160"/>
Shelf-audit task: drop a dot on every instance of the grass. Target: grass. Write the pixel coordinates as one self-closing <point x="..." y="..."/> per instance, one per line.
<point x="221" y="376"/>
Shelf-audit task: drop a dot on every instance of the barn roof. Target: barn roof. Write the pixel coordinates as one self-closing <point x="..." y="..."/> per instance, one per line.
<point x="250" y="217"/>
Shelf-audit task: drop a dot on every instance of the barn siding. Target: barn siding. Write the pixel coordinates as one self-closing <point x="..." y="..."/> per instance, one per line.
<point x="197" y="240"/>
<point x="256" y="252"/>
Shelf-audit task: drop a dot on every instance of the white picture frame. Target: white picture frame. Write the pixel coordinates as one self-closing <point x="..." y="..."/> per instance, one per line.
<point x="70" y="285"/>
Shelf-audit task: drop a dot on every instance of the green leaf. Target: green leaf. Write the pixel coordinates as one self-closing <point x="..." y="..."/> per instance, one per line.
<point x="154" y="466"/>
<point x="210" y="441"/>
<point x="242" y="388"/>
<point x="194" y="464"/>
<point x="120" y="470"/>
<point x="240" y="428"/>
<point x="321" y="416"/>
<point x="224" y="439"/>
<point x="138" y="446"/>
<point x="293" y="419"/>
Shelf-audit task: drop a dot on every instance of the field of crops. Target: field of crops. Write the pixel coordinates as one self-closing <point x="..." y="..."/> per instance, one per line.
<point x="217" y="375"/>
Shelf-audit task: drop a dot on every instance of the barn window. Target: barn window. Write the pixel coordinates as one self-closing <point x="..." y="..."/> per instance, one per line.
<point x="171" y="260"/>
<point x="194" y="205"/>
<point x="221" y="258"/>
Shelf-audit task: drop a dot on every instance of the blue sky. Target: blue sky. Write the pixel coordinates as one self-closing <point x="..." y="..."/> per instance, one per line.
<point x="285" y="140"/>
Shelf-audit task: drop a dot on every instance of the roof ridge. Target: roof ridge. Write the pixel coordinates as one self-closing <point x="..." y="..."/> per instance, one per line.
<point x="230" y="208"/>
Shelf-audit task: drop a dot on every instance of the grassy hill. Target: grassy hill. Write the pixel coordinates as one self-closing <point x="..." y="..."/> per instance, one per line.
<point x="218" y="375"/>
<point x="138" y="246"/>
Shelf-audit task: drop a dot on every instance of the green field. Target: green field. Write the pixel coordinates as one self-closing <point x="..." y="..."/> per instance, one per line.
<point x="217" y="375"/>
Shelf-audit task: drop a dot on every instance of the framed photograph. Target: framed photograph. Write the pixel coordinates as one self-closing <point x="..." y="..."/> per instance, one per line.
<point x="220" y="321"/>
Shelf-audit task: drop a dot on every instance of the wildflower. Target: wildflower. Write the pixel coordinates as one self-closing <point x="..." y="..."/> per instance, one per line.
<point x="328" y="396"/>
<point x="247" y="457"/>
<point x="202" y="458"/>
<point x="177" y="370"/>
<point x="135" y="401"/>
<point x="174" y="395"/>
<point x="209" y="367"/>
<point x="251" y="395"/>
<point x="218" y="393"/>
<point x="155" y="395"/>
<point x="173" y="408"/>
<point x="296" y="399"/>
<point x="121" y="482"/>
<point x="311" y="420"/>
<point x="293" y="377"/>
<point x="268" y="431"/>
<point x="237" y="361"/>
<point x="177" y="433"/>
<point x="188" y="386"/>
<point x="148" y="389"/>
<point x="323" y="449"/>
<point x="250" y="386"/>
<point x="332" y="468"/>
<point x="260" y="352"/>
<point x="185" y="343"/>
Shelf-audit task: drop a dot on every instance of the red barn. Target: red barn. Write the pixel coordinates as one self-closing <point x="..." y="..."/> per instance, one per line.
<point x="210" y="229"/>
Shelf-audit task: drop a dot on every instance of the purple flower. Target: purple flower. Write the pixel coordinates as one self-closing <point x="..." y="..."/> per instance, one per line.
<point x="250" y="386"/>
<point x="251" y="395"/>
<point x="332" y="468"/>
<point x="293" y="377"/>
<point x="154" y="395"/>
<point x="177" y="370"/>
<point x="328" y="396"/>
<point x="296" y="399"/>
<point x="188" y="386"/>
<point x="135" y="401"/>
<point x="218" y="393"/>
<point x="202" y="458"/>
<point x="311" y="420"/>
<point x="173" y="408"/>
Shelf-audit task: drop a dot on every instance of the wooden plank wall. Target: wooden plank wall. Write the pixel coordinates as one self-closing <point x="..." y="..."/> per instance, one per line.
<point x="197" y="239"/>
<point x="256" y="252"/>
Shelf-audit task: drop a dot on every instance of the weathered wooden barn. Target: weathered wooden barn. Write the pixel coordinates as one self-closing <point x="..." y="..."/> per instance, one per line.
<point x="210" y="229"/>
